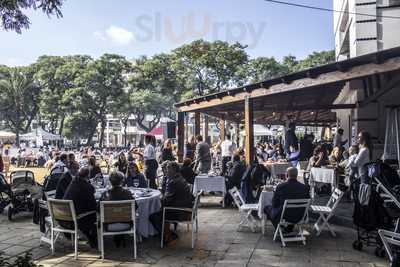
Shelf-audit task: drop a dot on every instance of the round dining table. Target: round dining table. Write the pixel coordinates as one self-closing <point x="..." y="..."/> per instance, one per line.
<point x="148" y="202"/>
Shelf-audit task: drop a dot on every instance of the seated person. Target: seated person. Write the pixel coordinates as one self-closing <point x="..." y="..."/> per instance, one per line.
<point x="134" y="178"/>
<point x="62" y="185"/>
<point x="94" y="168"/>
<point x="318" y="159"/>
<point x="336" y="156"/>
<point x="81" y="192"/>
<point x="187" y="171"/>
<point x="114" y="194"/>
<point x="234" y="176"/>
<point x="177" y="194"/>
<point x="291" y="189"/>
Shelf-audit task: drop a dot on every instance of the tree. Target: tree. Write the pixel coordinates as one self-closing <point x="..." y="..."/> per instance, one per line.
<point x="209" y="67"/>
<point x="147" y="103"/>
<point x="12" y="17"/>
<point x="55" y="76"/>
<point x="123" y="110"/>
<point x="261" y="69"/>
<point x="97" y="88"/>
<point x="19" y="96"/>
<point x="317" y="59"/>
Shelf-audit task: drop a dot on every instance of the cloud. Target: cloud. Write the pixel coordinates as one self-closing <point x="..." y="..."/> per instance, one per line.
<point x="116" y="35"/>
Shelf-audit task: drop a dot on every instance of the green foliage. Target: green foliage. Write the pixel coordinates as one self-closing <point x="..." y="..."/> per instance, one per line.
<point x="13" y="18"/>
<point x="209" y="67"/>
<point x="19" y="98"/>
<point x="21" y="261"/>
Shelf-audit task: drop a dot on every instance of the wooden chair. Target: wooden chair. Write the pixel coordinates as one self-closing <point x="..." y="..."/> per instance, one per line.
<point x="118" y="212"/>
<point x="64" y="210"/>
<point x="193" y="218"/>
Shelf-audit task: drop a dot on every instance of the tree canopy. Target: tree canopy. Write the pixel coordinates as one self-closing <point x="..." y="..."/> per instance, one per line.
<point x="13" y="18"/>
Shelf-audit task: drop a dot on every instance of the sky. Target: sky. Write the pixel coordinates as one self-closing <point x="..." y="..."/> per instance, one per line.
<point x="133" y="28"/>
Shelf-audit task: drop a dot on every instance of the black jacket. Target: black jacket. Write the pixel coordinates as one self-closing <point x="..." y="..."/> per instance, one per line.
<point x="81" y="192"/>
<point x="188" y="174"/>
<point x="62" y="185"/>
<point x="178" y="193"/>
<point x="236" y="172"/>
<point x="292" y="189"/>
<point x="166" y="154"/>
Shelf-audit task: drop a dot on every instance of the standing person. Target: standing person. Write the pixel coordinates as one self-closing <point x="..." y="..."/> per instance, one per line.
<point x="202" y="155"/>
<point x="150" y="162"/>
<point x="290" y="137"/>
<point x="190" y="148"/>
<point x="1" y="163"/>
<point x="166" y="153"/>
<point x="364" y="155"/>
<point x="227" y="149"/>
<point x="338" y="140"/>
<point x="294" y="156"/>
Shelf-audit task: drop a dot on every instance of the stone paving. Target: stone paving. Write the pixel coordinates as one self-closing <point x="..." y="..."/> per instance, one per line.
<point x="219" y="244"/>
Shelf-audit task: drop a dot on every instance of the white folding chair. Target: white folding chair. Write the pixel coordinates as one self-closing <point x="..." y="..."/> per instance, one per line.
<point x="289" y="206"/>
<point x="327" y="211"/>
<point x="64" y="210"/>
<point x="247" y="219"/>
<point x="390" y="240"/>
<point x="47" y="221"/>
<point x="193" y="218"/>
<point x="117" y="212"/>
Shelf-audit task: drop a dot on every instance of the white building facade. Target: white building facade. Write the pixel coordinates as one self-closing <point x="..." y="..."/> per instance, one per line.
<point x="362" y="27"/>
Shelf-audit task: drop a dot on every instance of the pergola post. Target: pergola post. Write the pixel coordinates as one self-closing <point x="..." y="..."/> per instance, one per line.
<point x="237" y="134"/>
<point x="222" y="130"/>
<point x="249" y="128"/>
<point x="196" y="123"/>
<point x="181" y="135"/>
<point x="205" y="129"/>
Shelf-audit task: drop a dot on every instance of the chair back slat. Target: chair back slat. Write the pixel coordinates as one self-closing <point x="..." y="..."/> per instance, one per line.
<point x="296" y="204"/>
<point x="118" y="211"/>
<point x="335" y="198"/>
<point x="61" y="210"/>
<point x="197" y="201"/>
<point x="237" y="198"/>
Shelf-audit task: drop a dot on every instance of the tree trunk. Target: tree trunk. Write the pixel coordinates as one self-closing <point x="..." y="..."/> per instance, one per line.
<point x="90" y="137"/>
<point x="17" y="137"/>
<point x="125" y="127"/>
<point x="61" y="125"/>
<point x="103" y="127"/>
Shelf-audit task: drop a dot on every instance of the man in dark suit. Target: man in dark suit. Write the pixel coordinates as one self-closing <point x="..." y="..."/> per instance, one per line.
<point x="177" y="194"/>
<point x="291" y="189"/>
<point x="81" y="192"/>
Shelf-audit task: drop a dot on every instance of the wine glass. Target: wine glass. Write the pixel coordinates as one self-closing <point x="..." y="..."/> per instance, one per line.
<point x="136" y="183"/>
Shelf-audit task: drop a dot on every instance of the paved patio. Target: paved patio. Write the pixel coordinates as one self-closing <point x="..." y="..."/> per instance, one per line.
<point x="219" y="244"/>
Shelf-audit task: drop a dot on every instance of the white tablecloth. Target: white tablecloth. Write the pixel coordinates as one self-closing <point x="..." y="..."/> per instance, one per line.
<point x="147" y="205"/>
<point x="265" y="200"/>
<point x="323" y="175"/>
<point x="278" y="168"/>
<point x="209" y="184"/>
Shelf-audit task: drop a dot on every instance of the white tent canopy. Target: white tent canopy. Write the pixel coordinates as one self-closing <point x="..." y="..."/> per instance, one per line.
<point x="7" y="136"/>
<point x="40" y="135"/>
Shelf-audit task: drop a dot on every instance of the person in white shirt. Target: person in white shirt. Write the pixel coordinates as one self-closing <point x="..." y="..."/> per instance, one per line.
<point x="60" y="166"/>
<point x="364" y="156"/>
<point x="150" y="162"/>
<point x="227" y="150"/>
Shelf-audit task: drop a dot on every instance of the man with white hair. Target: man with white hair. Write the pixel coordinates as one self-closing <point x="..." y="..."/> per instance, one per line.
<point x="291" y="189"/>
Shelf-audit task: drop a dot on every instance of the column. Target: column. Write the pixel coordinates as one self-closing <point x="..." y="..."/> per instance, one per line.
<point x="205" y="129"/>
<point x="181" y="135"/>
<point x="196" y="123"/>
<point x="237" y="134"/>
<point x="222" y="130"/>
<point x="249" y="128"/>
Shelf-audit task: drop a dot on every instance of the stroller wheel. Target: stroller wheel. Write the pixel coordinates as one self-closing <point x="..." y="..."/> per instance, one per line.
<point x="10" y="213"/>
<point x="357" y="245"/>
<point x="380" y="252"/>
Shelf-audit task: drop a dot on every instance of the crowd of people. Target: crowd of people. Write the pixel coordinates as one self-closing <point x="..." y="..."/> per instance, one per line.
<point x="156" y="167"/>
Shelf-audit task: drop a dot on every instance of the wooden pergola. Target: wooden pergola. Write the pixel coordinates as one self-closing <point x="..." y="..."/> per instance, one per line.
<point x="309" y="97"/>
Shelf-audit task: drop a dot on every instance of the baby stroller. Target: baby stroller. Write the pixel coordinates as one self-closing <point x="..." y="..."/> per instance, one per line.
<point x="376" y="205"/>
<point x="5" y="193"/>
<point x="23" y="188"/>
